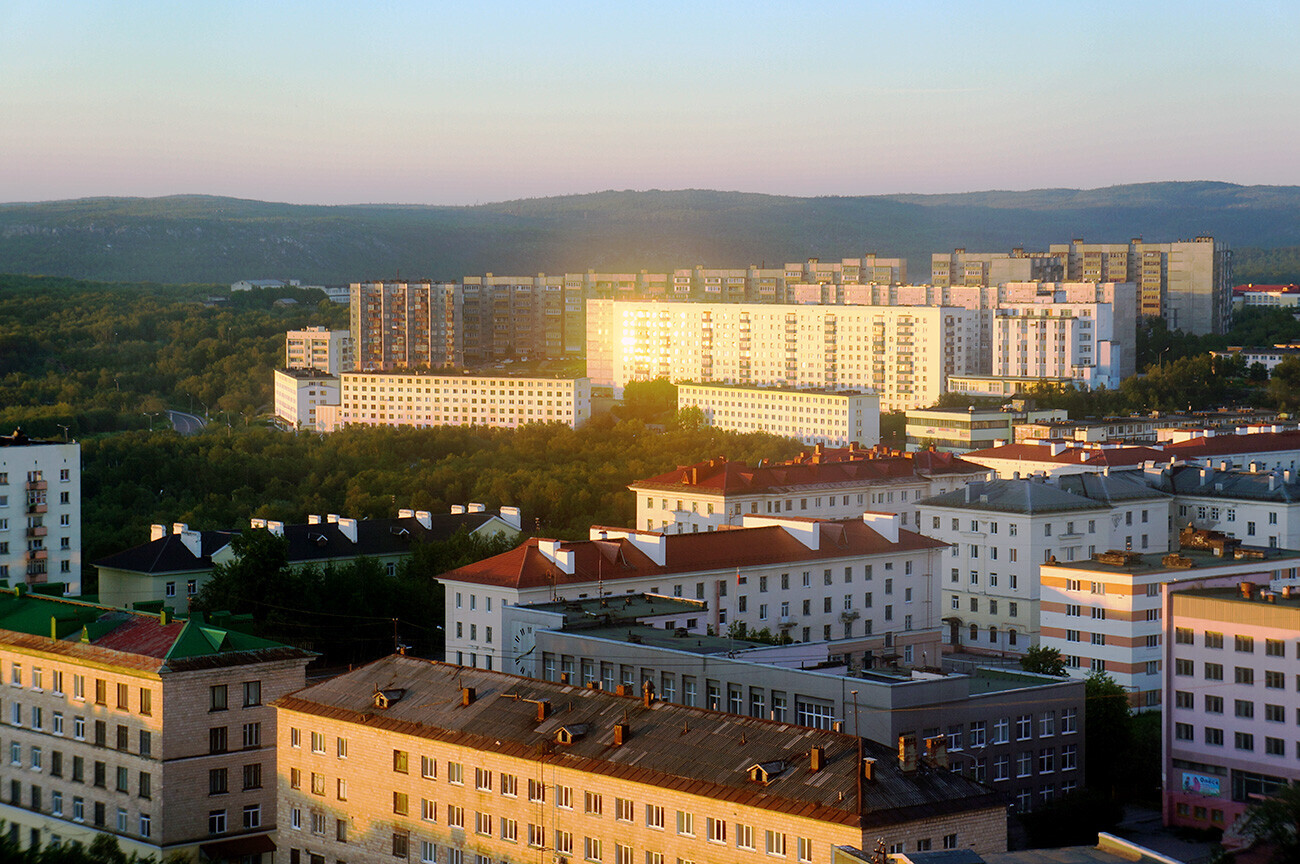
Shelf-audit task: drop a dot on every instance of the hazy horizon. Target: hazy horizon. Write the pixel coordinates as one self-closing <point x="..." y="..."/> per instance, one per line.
<point x="412" y="103"/>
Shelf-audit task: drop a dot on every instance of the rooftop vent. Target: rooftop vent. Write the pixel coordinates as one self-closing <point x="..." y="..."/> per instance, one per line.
<point x="817" y="758"/>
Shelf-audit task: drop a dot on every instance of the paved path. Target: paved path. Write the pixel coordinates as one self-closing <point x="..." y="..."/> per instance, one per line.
<point x="186" y="424"/>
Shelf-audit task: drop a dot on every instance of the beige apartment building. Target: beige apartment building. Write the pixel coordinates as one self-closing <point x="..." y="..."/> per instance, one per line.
<point x="834" y="418"/>
<point x="404" y="325"/>
<point x="903" y="354"/>
<point x="994" y="268"/>
<point x="426" y="398"/>
<point x="156" y="731"/>
<point x="300" y="392"/>
<point x="326" y="351"/>
<point x="423" y="761"/>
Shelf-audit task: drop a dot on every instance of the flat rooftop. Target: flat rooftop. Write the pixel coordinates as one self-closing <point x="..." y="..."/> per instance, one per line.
<point x="615" y="611"/>
<point x="661" y="637"/>
<point x="1142" y="563"/>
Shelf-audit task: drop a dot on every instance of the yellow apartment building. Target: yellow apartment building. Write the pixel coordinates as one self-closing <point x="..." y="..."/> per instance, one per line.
<point x="416" y="760"/>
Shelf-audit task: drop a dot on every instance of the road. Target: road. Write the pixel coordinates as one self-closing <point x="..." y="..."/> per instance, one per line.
<point x="186" y="424"/>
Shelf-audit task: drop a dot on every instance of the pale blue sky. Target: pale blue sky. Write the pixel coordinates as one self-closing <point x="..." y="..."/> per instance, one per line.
<point x="455" y="103"/>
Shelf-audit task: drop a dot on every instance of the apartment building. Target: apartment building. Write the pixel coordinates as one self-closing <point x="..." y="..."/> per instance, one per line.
<point x="829" y="417"/>
<point x="40" y="511"/>
<point x="175" y="564"/>
<point x="1105" y="613"/>
<point x="1084" y="332"/>
<point x="1258" y="448"/>
<point x="823" y="483"/>
<point x="1228" y="738"/>
<point x="1257" y="507"/>
<point x="406" y="325"/>
<point x="156" y="731"/>
<point x="844" y="684"/>
<point x="961" y="430"/>
<point x="960" y="267"/>
<point x="425" y="398"/>
<point x="300" y="392"/>
<point x="1000" y="532"/>
<point x="424" y="761"/>
<point x="327" y="351"/>
<point x="903" y="354"/>
<point x="1187" y="282"/>
<point x="812" y="579"/>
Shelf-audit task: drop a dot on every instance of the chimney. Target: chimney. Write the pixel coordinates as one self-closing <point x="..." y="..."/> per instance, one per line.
<point x="1286" y="592"/>
<point x="457" y="509"/>
<point x="837" y="725"/>
<point x="275" y="527"/>
<point x="157" y="532"/>
<point x="1247" y="590"/>
<point x="621" y="734"/>
<point x="425" y="518"/>
<point x="936" y="749"/>
<point x="256" y="522"/>
<point x="885" y="524"/>
<point x="178" y="527"/>
<point x="512" y="517"/>
<point x="331" y="518"/>
<point x="467" y="695"/>
<point x="476" y="508"/>
<point x="817" y="759"/>
<point x="647" y="693"/>
<point x="193" y="541"/>
<point x="164" y="617"/>
<point x="313" y="519"/>
<point x="868" y="769"/>
<point x="907" y="753"/>
<point x="348" y="528"/>
<point x="543" y="709"/>
<point x="564" y="677"/>
<point x="621" y="690"/>
<point x="404" y="513"/>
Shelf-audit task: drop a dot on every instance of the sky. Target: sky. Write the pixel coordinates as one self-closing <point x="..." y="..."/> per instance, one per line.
<point x="469" y="102"/>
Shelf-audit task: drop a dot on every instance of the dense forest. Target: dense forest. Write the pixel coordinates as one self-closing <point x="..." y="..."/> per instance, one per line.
<point x="100" y="357"/>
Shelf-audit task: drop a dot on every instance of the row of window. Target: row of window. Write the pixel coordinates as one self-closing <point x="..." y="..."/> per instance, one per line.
<point x="1240" y="644"/>
<point x="35" y="800"/>
<point x="1240" y="740"/>
<point x="1244" y="675"/>
<point x="36" y="719"/>
<point x="35" y="678"/>
<point x="37" y="762"/>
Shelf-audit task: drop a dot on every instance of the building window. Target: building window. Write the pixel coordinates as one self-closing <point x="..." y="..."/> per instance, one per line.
<point x="217" y="822"/>
<point x="217" y="697"/>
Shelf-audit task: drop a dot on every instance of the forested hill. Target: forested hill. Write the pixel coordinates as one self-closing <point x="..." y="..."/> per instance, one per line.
<point x="210" y="239"/>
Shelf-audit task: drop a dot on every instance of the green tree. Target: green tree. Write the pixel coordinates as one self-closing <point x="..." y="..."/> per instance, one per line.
<point x="1276" y="822"/>
<point x="1108" y="733"/>
<point x="649" y="401"/>
<point x="1044" y="661"/>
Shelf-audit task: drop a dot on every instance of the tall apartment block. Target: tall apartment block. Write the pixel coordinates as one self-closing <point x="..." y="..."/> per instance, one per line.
<point x="405" y="325"/>
<point x="995" y="268"/>
<point x="318" y="349"/>
<point x="156" y="732"/>
<point x="40" y="511"/>
<point x="1188" y="283"/>
<point x="488" y="318"/>
<point x="902" y="353"/>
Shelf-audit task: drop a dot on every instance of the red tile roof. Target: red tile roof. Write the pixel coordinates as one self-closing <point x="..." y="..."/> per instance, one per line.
<point x="819" y="468"/>
<point x="1112" y="456"/>
<point x="143" y="636"/>
<point x="526" y="566"/>
<point x="1282" y="289"/>
<point x="1224" y="445"/>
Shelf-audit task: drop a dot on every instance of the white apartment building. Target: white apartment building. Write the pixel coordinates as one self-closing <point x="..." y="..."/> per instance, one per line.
<point x="902" y="353"/>
<point x="316" y="348"/>
<point x="300" y="392"/>
<point x="426" y="399"/>
<point x="40" y="511"/>
<point x="1105" y="614"/>
<point x="833" y="418"/>
<point x="1082" y="331"/>
<point x="1266" y="296"/>
<point x="1001" y="531"/>
<point x="812" y="579"/>
<point x="822" y="484"/>
<point x="1261" y="508"/>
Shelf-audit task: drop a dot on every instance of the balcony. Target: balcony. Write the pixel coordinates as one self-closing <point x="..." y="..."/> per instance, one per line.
<point x="849" y="615"/>
<point x="786" y="621"/>
<point x="37" y="531"/>
<point x="36" y="485"/>
<point x="37" y="554"/>
<point x="36" y="508"/>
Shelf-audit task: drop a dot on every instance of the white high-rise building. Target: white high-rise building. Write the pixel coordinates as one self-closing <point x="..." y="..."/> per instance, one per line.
<point x="40" y="511"/>
<point x="902" y="353"/>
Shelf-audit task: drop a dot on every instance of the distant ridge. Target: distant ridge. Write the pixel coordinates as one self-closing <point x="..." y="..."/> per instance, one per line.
<point x="202" y="238"/>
